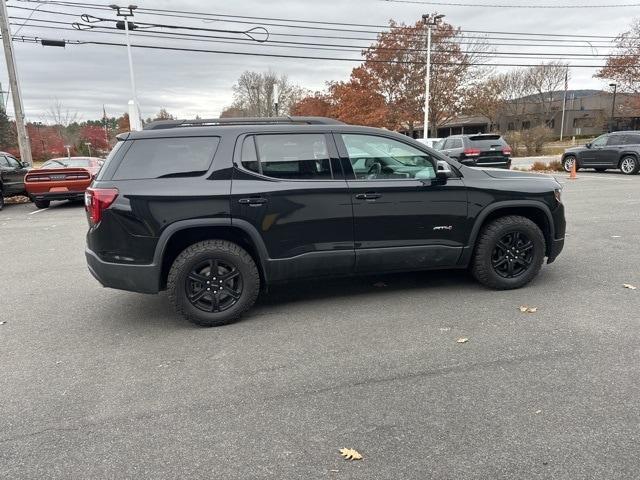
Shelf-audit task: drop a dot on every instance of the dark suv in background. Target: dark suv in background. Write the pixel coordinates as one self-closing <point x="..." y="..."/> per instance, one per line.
<point x="213" y="210"/>
<point x="12" y="172"/>
<point x="482" y="150"/>
<point x="617" y="150"/>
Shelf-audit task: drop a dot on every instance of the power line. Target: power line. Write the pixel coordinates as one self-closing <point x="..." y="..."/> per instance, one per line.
<point x="502" y="5"/>
<point x="210" y="16"/>
<point x="452" y="41"/>
<point x="276" y="55"/>
<point x="345" y="48"/>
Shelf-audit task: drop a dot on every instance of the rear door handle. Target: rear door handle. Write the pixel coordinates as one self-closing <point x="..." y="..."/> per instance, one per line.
<point x="368" y="196"/>
<point x="254" y="201"/>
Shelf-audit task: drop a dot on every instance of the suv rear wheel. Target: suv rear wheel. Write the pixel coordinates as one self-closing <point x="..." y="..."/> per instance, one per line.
<point x="629" y="165"/>
<point x="213" y="283"/>
<point x="509" y="253"/>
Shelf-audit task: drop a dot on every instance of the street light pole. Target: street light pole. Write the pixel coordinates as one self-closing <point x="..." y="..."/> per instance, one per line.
<point x="126" y="12"/>
<point x="613" y="105"/>
<point x="429" y="22"/>
<point x="23" y="136"/>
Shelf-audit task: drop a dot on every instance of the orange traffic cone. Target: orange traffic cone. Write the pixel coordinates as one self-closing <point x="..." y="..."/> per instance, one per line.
<point x="572" y="175"/>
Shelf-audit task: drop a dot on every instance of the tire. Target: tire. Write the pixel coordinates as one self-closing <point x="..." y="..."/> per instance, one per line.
<point x="566" y="163"/>
<point x="485" y="265"/>
<point x="629" y="165"/>
<point x="42" y="203"/>
<point x="206" y="261"/>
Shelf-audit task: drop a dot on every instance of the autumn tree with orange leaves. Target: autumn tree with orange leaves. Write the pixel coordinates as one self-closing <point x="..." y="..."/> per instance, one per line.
<point x="624" y="66"/>
<point x="387" y="89"/>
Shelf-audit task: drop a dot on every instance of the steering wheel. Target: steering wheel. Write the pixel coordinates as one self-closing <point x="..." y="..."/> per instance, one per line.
<point x="374" y="170"/>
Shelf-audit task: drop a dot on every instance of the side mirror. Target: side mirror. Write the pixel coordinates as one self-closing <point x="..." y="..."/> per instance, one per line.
<point x="441" y="177"/>
<point x="588" y="145"/>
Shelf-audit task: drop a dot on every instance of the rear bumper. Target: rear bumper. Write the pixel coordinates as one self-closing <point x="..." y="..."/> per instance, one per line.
<point x="57" y="196"/>
<point x="555" y="249"/>
<point x="134" y="278"/>
<point x="499" y="162"/>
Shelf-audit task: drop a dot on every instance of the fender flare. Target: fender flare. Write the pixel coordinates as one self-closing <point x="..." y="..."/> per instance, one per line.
<point x="627" y="153"/>
<point x="243" y="225"/>
<point x="489" y="209"/>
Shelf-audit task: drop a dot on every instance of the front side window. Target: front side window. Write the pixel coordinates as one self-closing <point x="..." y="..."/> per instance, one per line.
<point x="616" y="140"/>
<point x="302" y="156"/>
<point x="13" y="163"/>
<point x="601" y="141"/>
<point x="380" y="158"/>
<point x="167" y="158"/>
<point x="4" y="162"/>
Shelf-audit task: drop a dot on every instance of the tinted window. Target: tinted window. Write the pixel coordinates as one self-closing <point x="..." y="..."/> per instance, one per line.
<point x="293" y="157"/>
<point x="380" y="158"/>
<point x="632" y="139"/>
<point x="601" y="141"/>
<point x="616" y="140"/>
<point x="112" y="154"/>
<point x="13" y="163"/>
<point x="167" y="157"/>
<point x="486" y="142"/>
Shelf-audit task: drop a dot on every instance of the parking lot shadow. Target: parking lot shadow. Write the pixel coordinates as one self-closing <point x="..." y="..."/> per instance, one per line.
<point x="305" y="290"/>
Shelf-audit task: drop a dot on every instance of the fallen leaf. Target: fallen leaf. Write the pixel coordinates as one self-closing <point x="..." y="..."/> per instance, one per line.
<point x="350" y="454"/>
<point x="2" y="323"/>
<point x="462" y="340"/>
<point x="380" y="285"/>
<point x="630" y="287"/>
<point x="526" y="309"/>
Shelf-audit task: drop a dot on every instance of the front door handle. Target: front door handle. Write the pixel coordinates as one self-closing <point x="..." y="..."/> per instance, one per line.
<point x="368" y="196"/>
<point x="253" y="201"/>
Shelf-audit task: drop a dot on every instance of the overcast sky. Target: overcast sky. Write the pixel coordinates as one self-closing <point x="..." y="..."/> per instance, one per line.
<point x="84" y="77"/>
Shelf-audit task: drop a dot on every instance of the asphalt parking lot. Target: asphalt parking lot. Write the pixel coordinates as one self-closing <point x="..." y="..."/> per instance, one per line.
<point x="97" y="383"/>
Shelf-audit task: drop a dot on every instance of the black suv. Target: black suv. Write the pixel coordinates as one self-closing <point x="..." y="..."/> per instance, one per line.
<point x="213" y="210"/>
<point x="619" y="150"/>
<point x="482" y="150"/>
<point x="12" y="172"/>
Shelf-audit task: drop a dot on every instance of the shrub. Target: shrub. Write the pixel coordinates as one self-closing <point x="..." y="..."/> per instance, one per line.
<point x="535" y="138"/>
<point x="554" y="166"/>
<point x="514" y="139"/>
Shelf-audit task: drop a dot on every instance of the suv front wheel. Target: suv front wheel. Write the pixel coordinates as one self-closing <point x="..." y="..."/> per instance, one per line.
<point x="212" y="283"/>
<point x="509" y="253"/>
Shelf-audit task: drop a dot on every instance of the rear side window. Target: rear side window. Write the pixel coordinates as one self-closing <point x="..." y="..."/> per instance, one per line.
<point x="631" y="139"/>
<point x="486" y="141"/>
<point x="292" y="157"/>
<point x="167" y="158"/>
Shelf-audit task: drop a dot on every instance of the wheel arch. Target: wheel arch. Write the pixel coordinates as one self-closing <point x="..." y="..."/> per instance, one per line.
<point x="537" y="212"/>
<point x="175" y="238"/>
<point x="628" y="153"/>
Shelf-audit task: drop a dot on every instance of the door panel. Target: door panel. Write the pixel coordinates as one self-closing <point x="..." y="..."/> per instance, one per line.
<point x="306" y="224"/>
<point x="596" y="154"/>
<point x="402" y="223"/>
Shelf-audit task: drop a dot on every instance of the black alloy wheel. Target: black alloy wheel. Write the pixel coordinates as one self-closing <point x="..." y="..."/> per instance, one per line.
<point x="214" y="285"/>
<point x="512" y="255"/>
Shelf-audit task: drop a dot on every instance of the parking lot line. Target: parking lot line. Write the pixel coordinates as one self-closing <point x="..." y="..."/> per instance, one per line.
<point x="39" y="210"/>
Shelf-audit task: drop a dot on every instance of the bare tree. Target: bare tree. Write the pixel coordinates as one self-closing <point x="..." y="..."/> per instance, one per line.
<point x="65" y="121"/>
<point x="546" y="80"/>
<point x="256" y="94"/>
<point x="624" y="66"/>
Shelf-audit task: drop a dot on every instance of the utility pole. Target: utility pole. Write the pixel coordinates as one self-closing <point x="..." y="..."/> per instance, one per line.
<point x="564" y="101"/>
<point x="613" y="105"/>
<point x="23" y="137"/>
<point x="134" y="113"/>
<point x="430" y="21"/>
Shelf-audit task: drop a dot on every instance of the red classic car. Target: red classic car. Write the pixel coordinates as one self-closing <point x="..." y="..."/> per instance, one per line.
<point x="61" y="179"/>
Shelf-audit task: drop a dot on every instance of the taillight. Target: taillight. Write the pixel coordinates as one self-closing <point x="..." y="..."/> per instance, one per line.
<point x="38" y="178"/>
<point x="97" y="200"/>
<point x="472" y="152"/>
<point x="506" y="151"/>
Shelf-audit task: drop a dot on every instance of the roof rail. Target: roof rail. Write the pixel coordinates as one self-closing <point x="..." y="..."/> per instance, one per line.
<point x="205" y="122"/>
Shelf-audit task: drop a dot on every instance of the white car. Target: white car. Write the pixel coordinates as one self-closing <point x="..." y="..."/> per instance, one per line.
<point x="430" y="142"/>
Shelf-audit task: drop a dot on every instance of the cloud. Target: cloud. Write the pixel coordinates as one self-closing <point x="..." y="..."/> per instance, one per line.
<point x="84" y="77"/>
